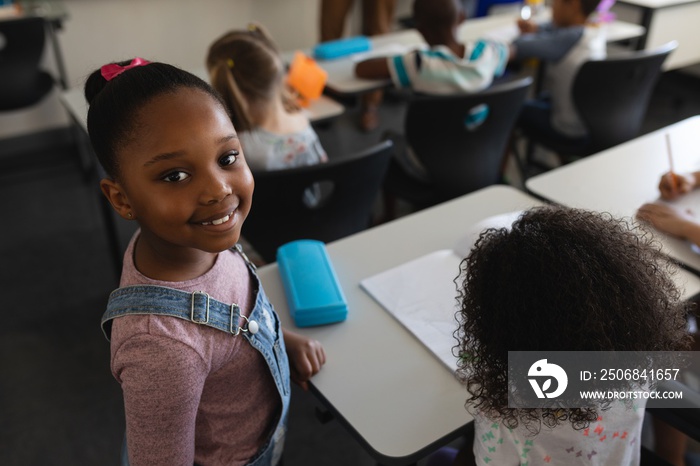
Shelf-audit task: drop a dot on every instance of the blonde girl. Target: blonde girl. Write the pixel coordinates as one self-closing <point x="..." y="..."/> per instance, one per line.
<point x="246" y="69"/>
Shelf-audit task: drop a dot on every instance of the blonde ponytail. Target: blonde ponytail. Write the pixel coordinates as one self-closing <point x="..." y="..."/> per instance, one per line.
<point x="247" y="70"/>
<point x="222" y="79"/>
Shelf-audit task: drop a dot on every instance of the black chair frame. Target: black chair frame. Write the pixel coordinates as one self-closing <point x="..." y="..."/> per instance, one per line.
<point x="349" y="186"/>
<point x="459" y="159"/>
<point x="22" y="82"/>
<point x="611" y="97"/>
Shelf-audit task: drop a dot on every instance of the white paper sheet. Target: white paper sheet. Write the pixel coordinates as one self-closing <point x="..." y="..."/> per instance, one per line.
<point x="421" y="294"/>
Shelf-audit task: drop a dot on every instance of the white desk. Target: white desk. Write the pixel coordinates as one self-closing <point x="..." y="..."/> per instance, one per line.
<point x="619" y="180"/>
<point x="323" y="108"/>
<point x="666" y="20"/>
<point x="341" y="72"/>
<point x="73" y="100"/>
<point x="391" y="391"/>
<point x="505" y="27"/>
<point x="396" y="396"/>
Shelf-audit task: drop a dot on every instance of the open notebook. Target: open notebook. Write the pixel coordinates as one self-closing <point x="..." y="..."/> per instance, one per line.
<point x="422" y="293"/>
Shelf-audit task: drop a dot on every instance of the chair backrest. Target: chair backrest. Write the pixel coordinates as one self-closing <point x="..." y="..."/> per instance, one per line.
<point x="21" y="48"/>
<point x="612" y="95"/>
<point x="348" y="185"/>
<point x="460" y="153"/>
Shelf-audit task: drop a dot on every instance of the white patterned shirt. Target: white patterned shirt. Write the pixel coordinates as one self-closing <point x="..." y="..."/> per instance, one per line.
<point x="613" y="440"/>
<point x="439" y="71"/>
<point x="270" y="151"/>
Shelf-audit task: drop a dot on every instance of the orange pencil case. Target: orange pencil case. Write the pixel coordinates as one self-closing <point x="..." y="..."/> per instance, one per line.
<point x="306" y="77"/>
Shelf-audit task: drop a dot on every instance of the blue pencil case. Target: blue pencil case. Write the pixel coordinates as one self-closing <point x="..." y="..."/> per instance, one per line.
<point x="341" y="47"/>
<point x="313" y="292"/>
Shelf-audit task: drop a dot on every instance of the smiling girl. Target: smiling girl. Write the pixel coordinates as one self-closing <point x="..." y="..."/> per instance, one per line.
<point x="195" y="344"/>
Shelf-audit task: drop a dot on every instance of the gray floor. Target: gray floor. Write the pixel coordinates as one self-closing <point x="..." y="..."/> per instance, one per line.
<point x="59" y="405"/>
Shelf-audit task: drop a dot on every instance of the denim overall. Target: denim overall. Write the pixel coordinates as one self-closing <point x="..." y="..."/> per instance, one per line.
<point x="262" y="329"/>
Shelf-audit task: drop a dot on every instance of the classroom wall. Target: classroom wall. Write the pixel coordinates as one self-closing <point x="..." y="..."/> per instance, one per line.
<point x="173" y="31"/>
<point x="100" y="30"/>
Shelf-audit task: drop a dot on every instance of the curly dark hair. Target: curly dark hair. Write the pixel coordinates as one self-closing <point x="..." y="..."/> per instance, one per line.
<point x="561" y="279"/>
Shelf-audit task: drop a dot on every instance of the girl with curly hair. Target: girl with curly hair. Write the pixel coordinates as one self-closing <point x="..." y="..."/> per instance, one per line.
<point x="561" y="279"/>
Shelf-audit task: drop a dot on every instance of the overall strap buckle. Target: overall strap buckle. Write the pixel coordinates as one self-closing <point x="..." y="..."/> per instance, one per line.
<point x="233" y="326"/>
<point x="197" y="314"/>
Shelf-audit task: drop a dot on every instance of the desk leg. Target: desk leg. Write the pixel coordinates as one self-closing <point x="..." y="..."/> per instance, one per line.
<point x="52" y="26"/>
<point x="647" y="16"/>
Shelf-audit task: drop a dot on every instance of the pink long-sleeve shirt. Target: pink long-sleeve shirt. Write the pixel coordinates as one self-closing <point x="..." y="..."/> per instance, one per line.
<point x="193" y="393"/>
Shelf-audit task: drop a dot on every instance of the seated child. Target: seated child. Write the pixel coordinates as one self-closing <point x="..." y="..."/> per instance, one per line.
<point x="564" y="45"/>
<point x="246" y="69"/>
<point x="561" y="279"/>
<point x="447" y="67"/>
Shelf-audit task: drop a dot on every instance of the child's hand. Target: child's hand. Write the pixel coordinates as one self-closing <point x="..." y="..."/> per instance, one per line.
<point x="669" y="219"/>
<point x="675" y="185"/>
<point x="306" y="356"/>
<point x="527" y="26"/>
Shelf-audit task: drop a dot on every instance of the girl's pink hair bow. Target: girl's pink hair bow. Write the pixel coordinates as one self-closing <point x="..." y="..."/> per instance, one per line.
<point x="113" y="70"/>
